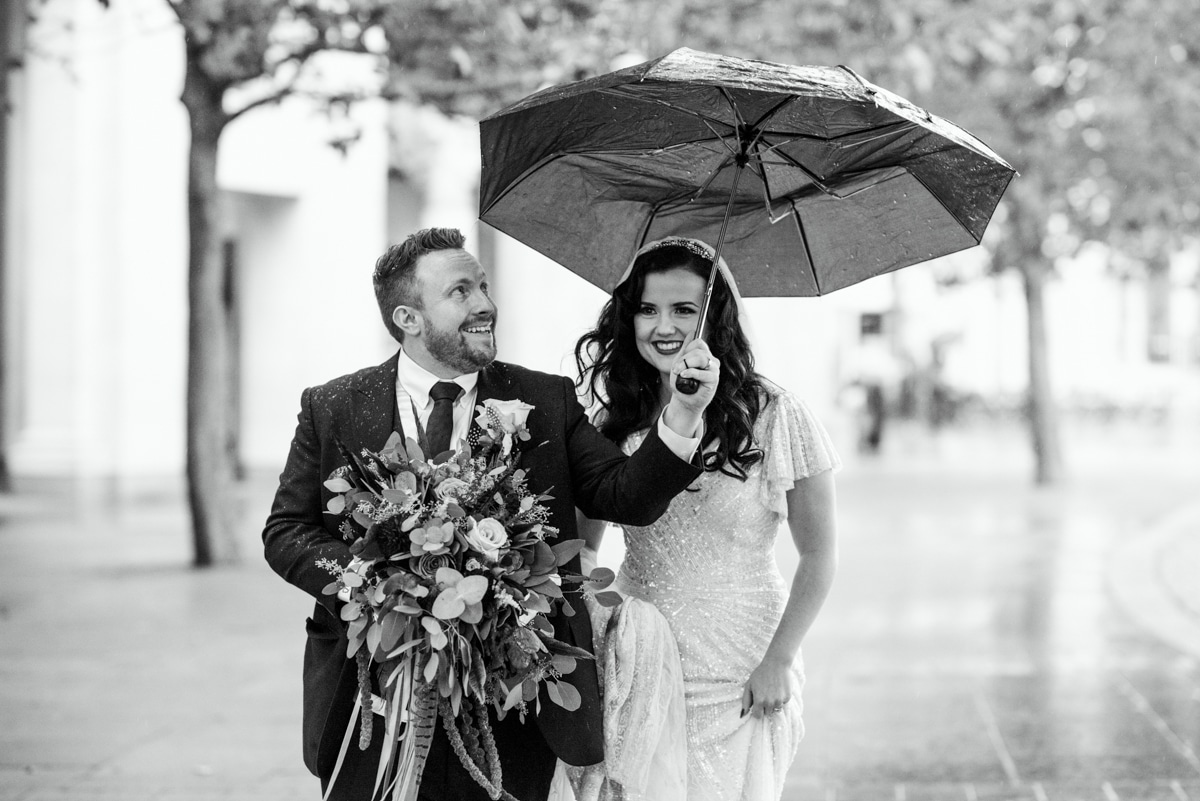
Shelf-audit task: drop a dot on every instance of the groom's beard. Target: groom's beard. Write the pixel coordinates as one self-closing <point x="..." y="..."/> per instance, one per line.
<point x="460" y="350"/>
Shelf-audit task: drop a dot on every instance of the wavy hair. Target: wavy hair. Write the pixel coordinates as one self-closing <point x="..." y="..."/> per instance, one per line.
<point x="626" y="387"/>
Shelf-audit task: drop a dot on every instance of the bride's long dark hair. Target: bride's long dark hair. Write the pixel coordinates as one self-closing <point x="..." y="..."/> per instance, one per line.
<point x="626" y="386"/>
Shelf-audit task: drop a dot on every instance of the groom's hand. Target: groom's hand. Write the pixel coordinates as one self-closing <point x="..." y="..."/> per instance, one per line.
<point x="685" y="413"/>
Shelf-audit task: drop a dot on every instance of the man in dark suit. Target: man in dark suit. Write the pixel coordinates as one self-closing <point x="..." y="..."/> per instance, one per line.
<point x="433" y="296"/>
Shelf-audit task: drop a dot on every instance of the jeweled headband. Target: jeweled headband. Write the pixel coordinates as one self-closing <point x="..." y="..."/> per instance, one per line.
<point x="694" y="245"/>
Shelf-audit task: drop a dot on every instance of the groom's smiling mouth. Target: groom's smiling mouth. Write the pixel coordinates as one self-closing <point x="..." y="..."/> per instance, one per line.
<point x="481" y="329"/>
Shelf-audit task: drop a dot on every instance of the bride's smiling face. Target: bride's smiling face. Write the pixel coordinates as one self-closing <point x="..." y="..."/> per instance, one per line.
<point x="667" y="316"/>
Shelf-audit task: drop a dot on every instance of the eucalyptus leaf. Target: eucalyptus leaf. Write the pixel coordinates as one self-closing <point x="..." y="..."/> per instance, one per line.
<point x="549" y="588"/>
<point x="552" y="691"/>
<point x="374" y="636"/>
<point x="571" y="699"/>
<point x="601" y="577"/>
<point x="567" y="550"/>
<point x="514" y="696"/>
<point x="393" y="627"/>
<point x="398" y="497"/>
<point x="472" y="614"/>
<point x="395" y="442"/>
<point x="332" y="588"/>
<point x="537" y="603"/>
<point x="336" y="505"/>
<point x="337" y="485"/>
<point x="607" y="598"/>
<point x="544" y="558"/>
<point x="472" y="588"/>
<point x="448" y="605"/>
<point x="431" y="667"/>
<point x="408" y="646"/>
<point x="564" y="664"/>
<point x="560" y="648"/>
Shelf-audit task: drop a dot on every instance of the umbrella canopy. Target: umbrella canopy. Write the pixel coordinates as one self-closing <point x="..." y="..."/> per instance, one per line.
<point x="818" y="178"/>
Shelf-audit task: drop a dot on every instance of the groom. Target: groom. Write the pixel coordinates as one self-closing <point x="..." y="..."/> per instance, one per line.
<point x="433" y="296"/>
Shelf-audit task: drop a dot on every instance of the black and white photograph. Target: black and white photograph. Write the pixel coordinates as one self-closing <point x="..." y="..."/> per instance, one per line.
<point x="599" y="400"/>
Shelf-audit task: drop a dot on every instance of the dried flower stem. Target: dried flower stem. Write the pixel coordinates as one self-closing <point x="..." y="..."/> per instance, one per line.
<point x="491" y="784"/>
<point x="364" y="693"/>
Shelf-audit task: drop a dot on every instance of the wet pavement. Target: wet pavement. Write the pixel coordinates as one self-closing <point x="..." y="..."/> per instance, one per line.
<point x="985" y="639"/>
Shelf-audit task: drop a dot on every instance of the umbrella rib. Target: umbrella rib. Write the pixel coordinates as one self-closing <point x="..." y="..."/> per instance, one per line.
<point x="770" y="113"/>
<point x="737" y="112"/>
<point x="817" y="182"/>
<point x="953" y="214"/>
<point x="712" y="175"/>
<point x="615" y="90"/>
<point x="514" y="183"/>
<point x="812" y="266"/>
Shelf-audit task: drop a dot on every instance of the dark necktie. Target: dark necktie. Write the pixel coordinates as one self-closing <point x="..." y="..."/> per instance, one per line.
<point x="441" y="419"/>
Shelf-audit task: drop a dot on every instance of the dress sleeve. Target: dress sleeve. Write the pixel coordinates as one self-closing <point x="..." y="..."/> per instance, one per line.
<point x="795" y="446"/>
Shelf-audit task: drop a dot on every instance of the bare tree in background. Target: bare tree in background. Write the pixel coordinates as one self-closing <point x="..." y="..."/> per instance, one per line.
<point x="242" y="54"/>
<point x="6" y="58"/>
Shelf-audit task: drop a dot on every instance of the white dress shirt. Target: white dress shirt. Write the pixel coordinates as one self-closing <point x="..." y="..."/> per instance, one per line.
<point x="413" y="383"/>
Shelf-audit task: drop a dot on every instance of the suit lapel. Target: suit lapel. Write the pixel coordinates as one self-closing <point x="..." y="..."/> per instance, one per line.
<point x="373" y="413"/>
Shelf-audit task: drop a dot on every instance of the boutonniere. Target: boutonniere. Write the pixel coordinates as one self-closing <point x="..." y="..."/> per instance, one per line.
<point x="503" y="421"/>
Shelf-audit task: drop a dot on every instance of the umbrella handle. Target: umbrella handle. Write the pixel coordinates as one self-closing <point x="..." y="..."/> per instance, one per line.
<point x="690" y="386"/>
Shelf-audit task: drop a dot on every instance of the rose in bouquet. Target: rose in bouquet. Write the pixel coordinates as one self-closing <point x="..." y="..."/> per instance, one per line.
<point x="447" y="595"/>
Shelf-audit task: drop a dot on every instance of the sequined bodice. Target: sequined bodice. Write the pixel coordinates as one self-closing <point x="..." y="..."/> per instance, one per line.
<point x="708" y="564"/>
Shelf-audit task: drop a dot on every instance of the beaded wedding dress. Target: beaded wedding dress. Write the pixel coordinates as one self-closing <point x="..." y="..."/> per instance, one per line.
<point x="703" y="598"/>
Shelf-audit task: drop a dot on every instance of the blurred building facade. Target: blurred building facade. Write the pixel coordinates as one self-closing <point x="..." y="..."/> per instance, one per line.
<point x="95" y="264"/>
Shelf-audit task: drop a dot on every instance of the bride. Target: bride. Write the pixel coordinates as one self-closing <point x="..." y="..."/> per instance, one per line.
<point x="701" y="662"/>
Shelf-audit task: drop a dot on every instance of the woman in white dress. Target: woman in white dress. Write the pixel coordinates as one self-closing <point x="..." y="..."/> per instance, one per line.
<point x="701" y="662"/>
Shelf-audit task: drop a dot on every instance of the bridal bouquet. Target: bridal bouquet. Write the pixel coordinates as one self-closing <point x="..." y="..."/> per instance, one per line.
<point x="447" y="595"/>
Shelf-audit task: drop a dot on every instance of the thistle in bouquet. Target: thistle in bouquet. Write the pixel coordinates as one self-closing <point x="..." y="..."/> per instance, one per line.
<point x="448" y="593"/>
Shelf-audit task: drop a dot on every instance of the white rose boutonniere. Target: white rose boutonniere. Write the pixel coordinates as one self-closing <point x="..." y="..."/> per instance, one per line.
<point x="504" y="420"/>
<point x="488" y="536"/>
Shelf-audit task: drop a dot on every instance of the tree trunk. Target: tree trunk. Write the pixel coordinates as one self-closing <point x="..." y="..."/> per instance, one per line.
<point x="1158" y="297"/>
<point x="209" y="467"/>
<point x="1041" y="410"/>
<point x="5" y="33"/>
<point x="233" y="327"/>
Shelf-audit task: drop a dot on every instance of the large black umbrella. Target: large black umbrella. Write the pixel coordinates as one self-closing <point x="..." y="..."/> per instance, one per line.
<point x="807" y="179"/>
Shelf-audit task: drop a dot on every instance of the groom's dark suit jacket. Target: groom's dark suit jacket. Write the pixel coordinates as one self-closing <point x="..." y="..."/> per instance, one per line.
<point x="565" y="457"/>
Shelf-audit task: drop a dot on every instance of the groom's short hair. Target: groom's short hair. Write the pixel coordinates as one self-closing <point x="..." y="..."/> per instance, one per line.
<point x="395" y="277"/>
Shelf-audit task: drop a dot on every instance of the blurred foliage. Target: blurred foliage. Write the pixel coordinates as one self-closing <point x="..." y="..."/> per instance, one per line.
<point x="462" y="56"/>
<point x="1095" y="102"/>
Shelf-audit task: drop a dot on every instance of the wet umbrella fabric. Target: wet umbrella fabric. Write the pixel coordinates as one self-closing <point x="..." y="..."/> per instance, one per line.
<point x="837" y="180"/>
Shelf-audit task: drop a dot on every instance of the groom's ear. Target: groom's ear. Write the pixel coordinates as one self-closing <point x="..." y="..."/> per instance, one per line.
<point x="407" y="319"/>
